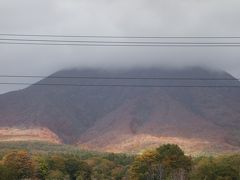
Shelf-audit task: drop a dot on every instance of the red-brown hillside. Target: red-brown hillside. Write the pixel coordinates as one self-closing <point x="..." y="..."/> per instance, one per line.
<point x="129" y="119"/>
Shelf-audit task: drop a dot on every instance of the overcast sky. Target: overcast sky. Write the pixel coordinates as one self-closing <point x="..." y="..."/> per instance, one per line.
<point x="117" y="17"/>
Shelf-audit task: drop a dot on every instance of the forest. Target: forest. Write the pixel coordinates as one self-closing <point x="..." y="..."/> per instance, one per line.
<point x="167" y="162"/>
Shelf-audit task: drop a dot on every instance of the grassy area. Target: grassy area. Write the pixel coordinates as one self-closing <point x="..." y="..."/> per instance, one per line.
<point x="36" y="147"/>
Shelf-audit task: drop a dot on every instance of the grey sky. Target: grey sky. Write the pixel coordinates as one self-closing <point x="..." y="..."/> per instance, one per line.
<point x="117" y="17"/>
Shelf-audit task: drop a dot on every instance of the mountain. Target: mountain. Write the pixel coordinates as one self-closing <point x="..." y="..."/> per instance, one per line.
<point x="130" y="119"/>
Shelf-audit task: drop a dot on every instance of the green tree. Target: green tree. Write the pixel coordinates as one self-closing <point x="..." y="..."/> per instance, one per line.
<point x="20" y="164"/>
<point x="217" y="168"/>
<point x="55" y="175"/>
<point x="84" y="171"/>
<point x="204" y="168"/>
<point x="167" y="161"/>
<point x="176" y="164"/>
<point x="146" y="166"/>
<point x="228" y="166"/>
<point x="5" y="173"/>
<point x="101" y="167"/>
<point x="41" y="168"/>
<point x="56" y="162"/>
<point x="76" y="168"/>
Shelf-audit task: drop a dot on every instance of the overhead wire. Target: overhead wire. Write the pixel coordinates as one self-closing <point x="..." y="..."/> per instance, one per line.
<point x="24" y="40"/>
<point x="64" y="42"/>
<point x="122" y="45"/>
<point x="122" y="37"/>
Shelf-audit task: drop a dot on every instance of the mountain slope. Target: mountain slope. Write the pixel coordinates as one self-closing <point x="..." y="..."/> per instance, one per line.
<point x="131" y="118"/>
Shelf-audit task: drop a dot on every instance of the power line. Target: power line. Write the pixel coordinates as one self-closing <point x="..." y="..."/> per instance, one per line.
<point x="126" y="37"/>
<point x="122" y="45"/>
<point x="113" y="42"/>
<point x="57" y="42"/>
<point x="120" y="78"/>
<point x="123" y="85"/>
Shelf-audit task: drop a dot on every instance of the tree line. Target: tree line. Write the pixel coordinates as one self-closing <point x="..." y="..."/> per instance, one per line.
<point x="167" y="162"/>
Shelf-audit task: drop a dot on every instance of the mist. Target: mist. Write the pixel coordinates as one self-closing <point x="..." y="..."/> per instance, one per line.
<point x="117" y="18"/>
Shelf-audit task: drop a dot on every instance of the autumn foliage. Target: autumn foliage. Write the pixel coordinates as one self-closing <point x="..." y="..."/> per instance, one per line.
<point x="167" y="162"/>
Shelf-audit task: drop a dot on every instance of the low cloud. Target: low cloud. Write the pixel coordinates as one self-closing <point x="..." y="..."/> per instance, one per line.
<point x="117" y="17"/>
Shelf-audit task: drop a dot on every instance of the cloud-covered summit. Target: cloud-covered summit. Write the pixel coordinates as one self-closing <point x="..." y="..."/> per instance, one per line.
<point x="118" y="17"/>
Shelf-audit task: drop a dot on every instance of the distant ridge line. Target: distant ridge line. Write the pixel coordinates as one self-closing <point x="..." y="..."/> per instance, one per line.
<point x="122" y="85"/>
<point x="118" y="77"/>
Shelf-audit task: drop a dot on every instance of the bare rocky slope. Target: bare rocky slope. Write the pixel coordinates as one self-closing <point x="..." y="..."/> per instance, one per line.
<point x="130" y="119"/>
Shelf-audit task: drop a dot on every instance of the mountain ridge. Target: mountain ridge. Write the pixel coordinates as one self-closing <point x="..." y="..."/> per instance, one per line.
<point x="101" y="118"/>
